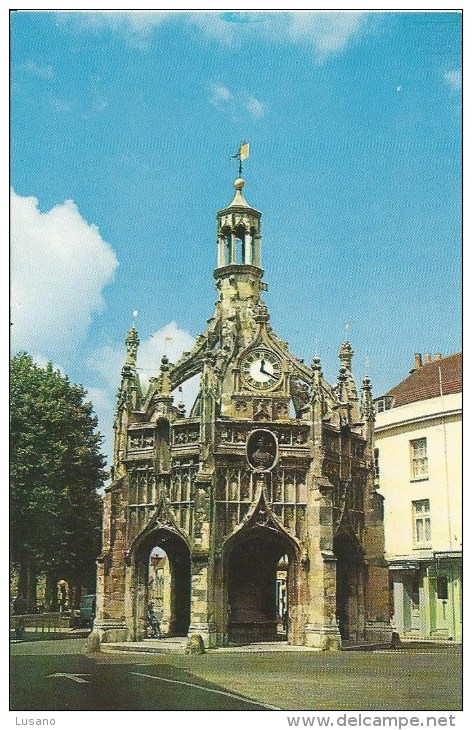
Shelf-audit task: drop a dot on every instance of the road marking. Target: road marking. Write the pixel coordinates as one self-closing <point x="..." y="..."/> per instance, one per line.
<point x="403" y="651"/>
<point x="207" y="689"/>
<point x="74" y="677"/>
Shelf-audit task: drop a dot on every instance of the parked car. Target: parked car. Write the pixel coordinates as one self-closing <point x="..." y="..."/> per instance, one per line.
<point x="87" y="610"/>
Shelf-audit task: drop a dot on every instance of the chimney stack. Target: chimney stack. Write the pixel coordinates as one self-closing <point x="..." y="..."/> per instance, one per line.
<point x="438" y="356"/>
<point x="418" y="361"/>
<point x="427" y="359"/>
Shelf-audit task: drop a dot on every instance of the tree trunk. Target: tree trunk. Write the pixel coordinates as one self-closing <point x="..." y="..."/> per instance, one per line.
<point x="51" y="592"/>
<point x="27" y="582"/>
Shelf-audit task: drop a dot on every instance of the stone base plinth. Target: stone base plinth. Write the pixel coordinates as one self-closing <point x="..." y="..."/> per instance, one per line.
<point x="111" y="630"/>
<point x="325" y="638"/>
<point x="247" y="632"/>
<point x="207" y="631"/>
<point x="379" y="632"/>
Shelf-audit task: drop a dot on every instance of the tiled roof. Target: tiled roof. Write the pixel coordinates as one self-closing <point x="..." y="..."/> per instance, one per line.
<point x="424" y="382"/>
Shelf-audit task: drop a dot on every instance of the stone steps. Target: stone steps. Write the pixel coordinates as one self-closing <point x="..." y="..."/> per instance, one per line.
<point x="149" y="646"/>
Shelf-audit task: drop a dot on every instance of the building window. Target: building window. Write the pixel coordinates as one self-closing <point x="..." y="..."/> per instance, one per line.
<point x="418" y="459"/>
<point x="421" y="523"/>
<point x="442" y="587"/>
<point x="376" y="466"/>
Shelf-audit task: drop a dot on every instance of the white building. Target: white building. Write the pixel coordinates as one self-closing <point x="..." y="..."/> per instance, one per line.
<point x="418" y="448"/>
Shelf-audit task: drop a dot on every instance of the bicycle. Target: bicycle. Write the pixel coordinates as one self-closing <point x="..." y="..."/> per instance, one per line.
<point x="153" y="627"/>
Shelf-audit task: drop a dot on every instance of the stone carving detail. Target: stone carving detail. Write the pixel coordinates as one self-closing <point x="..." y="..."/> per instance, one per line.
<point x="289" y="486"/>
<point x="141" y="440"/>
<point x="261" y="410"/>
<point x="262" y="451"/>
<point x="142" y="485"/>
<point x="300" y="394"/>
<point x="281" y="409"/>
<point x="186" y="435"/>
<point x="358" y="449"/>
<point x="121" y="399"/>
<point x="286" y="436"/>
<point x="182" y="481"/>
<point x="262" y="518"/>
<point x="228" y="435"/>
<point x="201" y="512"/>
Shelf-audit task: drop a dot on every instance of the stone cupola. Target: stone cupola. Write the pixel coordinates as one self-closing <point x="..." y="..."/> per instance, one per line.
<point x="239" y="272"/>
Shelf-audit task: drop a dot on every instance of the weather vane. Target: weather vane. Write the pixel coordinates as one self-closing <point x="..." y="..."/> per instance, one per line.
<point x="241" y="154"/>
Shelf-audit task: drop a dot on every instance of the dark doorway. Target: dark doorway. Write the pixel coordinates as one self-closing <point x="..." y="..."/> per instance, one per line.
<point x="164" y="557"/>
<point x="254" y="582"/>
<point x="349" y="586"/>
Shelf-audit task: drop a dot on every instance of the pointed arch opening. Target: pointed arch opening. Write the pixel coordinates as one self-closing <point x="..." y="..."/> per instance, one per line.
<point x="260" y="588"/>
<point x="163" y="577"/>
<point x="349" y="585"/>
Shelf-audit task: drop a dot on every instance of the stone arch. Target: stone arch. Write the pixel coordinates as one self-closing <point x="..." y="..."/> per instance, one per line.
<point x="175" y="613"/>
<point x="251" y="557"/>
<point x="350" y="590"/>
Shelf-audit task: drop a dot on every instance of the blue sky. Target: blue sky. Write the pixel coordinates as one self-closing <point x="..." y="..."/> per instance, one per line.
<point x="122" y="126"/>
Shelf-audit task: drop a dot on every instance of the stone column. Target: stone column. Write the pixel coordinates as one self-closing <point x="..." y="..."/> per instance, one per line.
<point x="398" y="604"/>
<point x="256" y="242"/>
<point x="201" y="614"/>
<point x="247" y="248"/>
<point x="166" y="598"/>
<point x="233" y="248"/>
<point x="110" y="619"/>
<point x="221" y="252"/>
<point x="202" y="618"/>
<point x="321" y="628"/>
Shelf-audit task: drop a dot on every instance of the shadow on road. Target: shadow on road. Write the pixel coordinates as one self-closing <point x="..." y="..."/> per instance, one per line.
<point x="77" y="682"/>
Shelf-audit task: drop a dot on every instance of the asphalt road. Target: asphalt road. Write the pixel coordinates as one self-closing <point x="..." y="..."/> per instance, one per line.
<point x="56" y="675"/>
<point x="41" y="680"/>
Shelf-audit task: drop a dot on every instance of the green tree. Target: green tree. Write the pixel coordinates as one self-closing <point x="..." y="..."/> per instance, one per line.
<point x="56" y="469"/>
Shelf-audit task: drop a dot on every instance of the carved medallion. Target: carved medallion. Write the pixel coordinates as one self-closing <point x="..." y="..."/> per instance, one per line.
<point x="262" y="450"/>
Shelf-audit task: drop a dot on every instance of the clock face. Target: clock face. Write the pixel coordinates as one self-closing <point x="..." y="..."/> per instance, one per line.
<point x="262" y="369"/>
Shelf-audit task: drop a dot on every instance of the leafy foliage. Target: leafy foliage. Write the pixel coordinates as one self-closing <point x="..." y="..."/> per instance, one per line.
<point x="56" y="469"/>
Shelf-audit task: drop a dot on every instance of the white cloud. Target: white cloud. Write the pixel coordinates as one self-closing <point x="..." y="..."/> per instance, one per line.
<point x="325" y="33"/>
<point x="108" y="360"/>
<point x="59" y="267"/>
<point x="135" y="27"/>
<point x="41" y="71"/>
<point x="236" y="104"/>
<point x="172" y="341"/>
<point x="43" y="362"/>
<point x="454" y="79"/>
<point x="219" y="94"/>
<point x="104" y="407"/>
<point x="255" y="107"/>
<point x="132" y="21"/>
<point x="213" y="26"/>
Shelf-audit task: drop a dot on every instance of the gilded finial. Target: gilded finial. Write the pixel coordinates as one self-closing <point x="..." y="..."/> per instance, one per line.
<point x="241" y="154"/>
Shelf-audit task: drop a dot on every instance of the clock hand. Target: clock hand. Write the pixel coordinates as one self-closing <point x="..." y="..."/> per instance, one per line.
<point x="266" y="372"/>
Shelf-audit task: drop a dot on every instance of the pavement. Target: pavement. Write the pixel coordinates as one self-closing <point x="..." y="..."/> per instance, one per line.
<point x="178" y="645"/>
